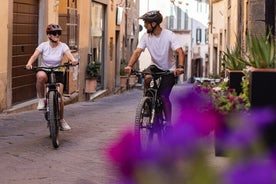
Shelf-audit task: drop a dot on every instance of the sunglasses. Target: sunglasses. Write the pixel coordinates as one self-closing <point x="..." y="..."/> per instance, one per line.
<point x="55" y="33"/>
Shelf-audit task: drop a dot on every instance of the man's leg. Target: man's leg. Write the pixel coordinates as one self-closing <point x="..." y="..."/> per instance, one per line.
<point x="167" y="107"/>
<point x="165" y="91"/>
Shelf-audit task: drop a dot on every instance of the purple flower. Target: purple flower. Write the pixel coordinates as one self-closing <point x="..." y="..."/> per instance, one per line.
<point x="257" y="171"/>
<point x="197" y="111"/>
<point x="125" y="153"/>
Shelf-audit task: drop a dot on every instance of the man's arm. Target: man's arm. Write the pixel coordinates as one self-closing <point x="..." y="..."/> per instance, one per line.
<point x="133" y="59"/>
<point x="181" y="57"/>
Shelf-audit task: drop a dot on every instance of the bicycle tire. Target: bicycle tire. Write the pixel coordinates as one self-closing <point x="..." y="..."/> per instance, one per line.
<point x="143" y="129"/>
<point x="53" y="118"/>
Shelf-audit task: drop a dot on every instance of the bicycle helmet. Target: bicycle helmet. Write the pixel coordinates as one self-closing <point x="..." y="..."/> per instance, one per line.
<point x="152" y="16"/>
<point x="53" y="27"/>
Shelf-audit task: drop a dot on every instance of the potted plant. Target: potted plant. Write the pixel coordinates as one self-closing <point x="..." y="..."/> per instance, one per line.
<point x="227" y="103"/>
<point x="262" y="71"/>
<point x="123" y="75"/>
<point x="92" y="74"/>
<point x="262" y="78"/>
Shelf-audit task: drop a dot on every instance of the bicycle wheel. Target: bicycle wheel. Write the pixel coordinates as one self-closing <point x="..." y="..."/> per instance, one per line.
<point x="143" y="128"/>
<point x="53" y="118"/>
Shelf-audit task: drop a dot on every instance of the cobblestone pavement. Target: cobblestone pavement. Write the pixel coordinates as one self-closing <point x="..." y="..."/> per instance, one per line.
<point x="27" y="156"/>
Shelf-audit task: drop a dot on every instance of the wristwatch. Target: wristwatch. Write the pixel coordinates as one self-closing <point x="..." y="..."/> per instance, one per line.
<point x="180" y="66"/>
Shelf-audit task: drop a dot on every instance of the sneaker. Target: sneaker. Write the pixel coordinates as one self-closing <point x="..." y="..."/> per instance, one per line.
<point x="64" y="125"/>
<point x="41" y="104"/>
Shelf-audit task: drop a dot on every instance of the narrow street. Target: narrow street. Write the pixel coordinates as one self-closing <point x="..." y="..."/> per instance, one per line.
<point x="27" y="156"/>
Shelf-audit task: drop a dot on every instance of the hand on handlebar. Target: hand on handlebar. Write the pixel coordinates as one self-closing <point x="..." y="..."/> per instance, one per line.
<point x="128" y="69"/>
<point x="29" y="66"/>
<point x="74" y="63"/>
<point x="178" y="71"/>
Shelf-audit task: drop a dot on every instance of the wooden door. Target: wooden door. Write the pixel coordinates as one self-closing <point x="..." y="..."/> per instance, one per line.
<point x="25" y="40"/>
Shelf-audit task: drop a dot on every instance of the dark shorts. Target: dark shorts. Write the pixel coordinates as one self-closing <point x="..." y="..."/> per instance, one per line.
<point x="167" y="82"/>
<point x="59" y="76"/>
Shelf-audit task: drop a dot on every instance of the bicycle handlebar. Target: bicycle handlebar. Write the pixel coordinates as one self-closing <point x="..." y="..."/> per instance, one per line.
<point x="166" y="72"/>
<point x="35" y="68"/>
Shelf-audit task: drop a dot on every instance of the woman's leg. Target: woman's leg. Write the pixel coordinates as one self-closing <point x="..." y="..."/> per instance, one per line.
<point x="41" y="79"/>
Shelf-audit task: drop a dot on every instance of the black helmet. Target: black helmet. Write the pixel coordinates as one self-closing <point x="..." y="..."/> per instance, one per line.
<point x="152" y="16"/>
<point x="53" y="27"/>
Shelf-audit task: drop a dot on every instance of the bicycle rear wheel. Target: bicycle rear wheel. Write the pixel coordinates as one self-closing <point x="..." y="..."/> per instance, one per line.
<point x="143" y="129"/>
<point x="53" y="118"/>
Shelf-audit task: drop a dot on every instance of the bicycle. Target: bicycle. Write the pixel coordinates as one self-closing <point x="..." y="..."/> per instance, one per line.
<point x="150" y="116"/>
<point x="53" y="99"/>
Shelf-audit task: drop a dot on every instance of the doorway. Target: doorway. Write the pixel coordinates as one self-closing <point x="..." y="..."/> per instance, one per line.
<point x="25" y="39"/>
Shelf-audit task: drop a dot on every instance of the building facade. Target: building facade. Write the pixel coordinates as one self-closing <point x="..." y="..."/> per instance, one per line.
<point x="89" y="29"/>
<point x="231" y="21"/>
<point x="188" y="19"/>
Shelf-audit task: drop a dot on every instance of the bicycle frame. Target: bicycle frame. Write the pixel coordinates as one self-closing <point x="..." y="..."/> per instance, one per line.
<point x="153" y="92"/>
<point x="150" y="117"/>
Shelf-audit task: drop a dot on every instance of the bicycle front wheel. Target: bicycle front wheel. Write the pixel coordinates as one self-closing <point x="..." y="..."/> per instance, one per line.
<point x="143" y="129"/>
<point x="53" y="118"/>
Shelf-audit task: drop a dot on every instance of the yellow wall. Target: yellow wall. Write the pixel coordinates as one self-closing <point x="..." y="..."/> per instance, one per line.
<point x="52" y="13"/>
<point x="52" y="9"/>
<point x="4" y="54"/>
<point x="111" y="38"/>
<point x="84" y="44"/>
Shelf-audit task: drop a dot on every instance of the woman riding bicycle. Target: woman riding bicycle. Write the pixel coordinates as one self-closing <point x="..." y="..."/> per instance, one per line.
<point x="52" y="53"/>
<point x="160" y="43"/>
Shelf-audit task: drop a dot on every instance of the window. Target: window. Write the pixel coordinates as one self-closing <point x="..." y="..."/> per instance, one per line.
<point x="69" y="24"/>
<point x="186" y="21"/>
<point x="198" y="35"/>
<point x="199" y="6"/>
<point x="171" y="18"/>
<point x="179" y="18"/>
<point x="206" y="36"/>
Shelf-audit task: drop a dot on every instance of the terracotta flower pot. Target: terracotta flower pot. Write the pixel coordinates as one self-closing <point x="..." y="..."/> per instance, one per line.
<point x="123" y="81"/>
<point x="91" y="85"/>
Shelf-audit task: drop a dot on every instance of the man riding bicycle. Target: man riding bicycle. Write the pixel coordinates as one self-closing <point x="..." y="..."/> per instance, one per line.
<point x="160" y="43"/>
<point x="52" y="53"/>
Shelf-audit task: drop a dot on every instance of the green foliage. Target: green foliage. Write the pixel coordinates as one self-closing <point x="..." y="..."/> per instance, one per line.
<point x="233" y="59"/>
<point x="93" y="70"/>
<point x="122" y="67"/>
<point x="224" y="99"/>
<point x="261" y="51"/>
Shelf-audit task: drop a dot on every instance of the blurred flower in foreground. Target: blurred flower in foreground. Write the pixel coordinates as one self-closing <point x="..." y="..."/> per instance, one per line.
<point x="257" y="171"/>
<point x="184" y="154"/>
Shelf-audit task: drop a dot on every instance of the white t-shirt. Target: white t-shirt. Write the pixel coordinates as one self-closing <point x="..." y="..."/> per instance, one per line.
<point x="52" y="56"/>
<point x="161" y="48"/>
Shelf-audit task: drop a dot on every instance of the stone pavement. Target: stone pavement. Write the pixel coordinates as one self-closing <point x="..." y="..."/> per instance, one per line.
<point x="27" y="156"/>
